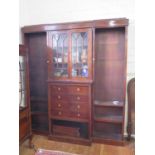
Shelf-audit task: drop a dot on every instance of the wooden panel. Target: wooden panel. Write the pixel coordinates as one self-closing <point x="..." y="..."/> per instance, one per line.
<point x="23" y="127"/>
<point x="38" y="76"/>
<point x="131" y="108"/>
<point x="38" y="65"/>
<point x="104" y="23"/>
<point x="109" y="64"/>
<point x="108" y="128"/>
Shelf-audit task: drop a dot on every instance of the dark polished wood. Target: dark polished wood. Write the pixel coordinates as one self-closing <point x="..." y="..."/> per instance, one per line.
<point x="109" y="83"/>
<point x="24" y="112"/>
<point x="106" y="23"/>
<point x="131" y="108"/>
<point x="38" y="85"/>
<point x="95" y="103"/>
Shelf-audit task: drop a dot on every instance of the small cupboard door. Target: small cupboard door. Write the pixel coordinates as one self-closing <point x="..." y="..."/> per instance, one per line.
<point x="58" y="55"/>
<point x="81" y="54"/>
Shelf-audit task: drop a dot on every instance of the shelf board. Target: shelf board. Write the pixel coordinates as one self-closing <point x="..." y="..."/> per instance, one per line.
<point x="39" y="113"/>
<point x="111" y="139"/>
<point x="108" y="136"/>
<point x="108" y="104"/>
<point x="110" y="119"/>
<point x="70" y="119"/>
<point x="43" y="99"/>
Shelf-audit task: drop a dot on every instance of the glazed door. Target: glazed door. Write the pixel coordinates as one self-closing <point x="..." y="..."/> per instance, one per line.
<point x="81" y="54"/>
<point x="58" y="55"/>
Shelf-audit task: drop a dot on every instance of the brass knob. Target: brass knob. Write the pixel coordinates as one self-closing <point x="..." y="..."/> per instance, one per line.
<point x="78" y="115"/>
<point x="59" y="97"/>
<point x="59" y="88"/>
<point x="59" y="105"/>
<point x="78" y="106"/>
<point x="47" y="61"/>
<point x="59" y="112"/>
<point x="78" y="89"/>
<point x="78" y="98"/>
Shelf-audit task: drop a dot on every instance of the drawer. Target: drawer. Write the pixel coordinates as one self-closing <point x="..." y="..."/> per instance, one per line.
<point x="59" y="113"/>
<point x="59" y="89"/>
<point x="79" y="107"/>
<point x="78" y="90"/>
<point x="78" y="98"/>
<point x="59" y="105"/>
<point x="69" y="89"/>
<point x="79" y="115"/>
<point x="69" y="98"/>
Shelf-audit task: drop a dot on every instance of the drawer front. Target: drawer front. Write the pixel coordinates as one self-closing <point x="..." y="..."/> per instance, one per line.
<point x="79" y="115"/>
<point x="78" y="90"/>
<point x="69" y="98"/>
<point x="59" y="89"/>
<point x="59" y="105"/>
<point x="69" y="89"/>
<point x="79" y="107"/>
<point x="59" y="113"/>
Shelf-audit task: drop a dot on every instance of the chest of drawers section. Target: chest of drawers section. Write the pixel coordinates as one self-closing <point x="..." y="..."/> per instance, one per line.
<point x="70" y="106"/>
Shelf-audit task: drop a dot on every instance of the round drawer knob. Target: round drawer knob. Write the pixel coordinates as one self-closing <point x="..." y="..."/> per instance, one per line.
<point x="78" y="98"/>
<point x="47" y="61"/>
<point x="59" y="88"/>
<point x="59" y="97"/>
<point x="59" y="105"/>
<point x="59" y="112"/>
<point x="78" y="115"/>
<point x="78" y="106"/>
<point x="78" y="89"/>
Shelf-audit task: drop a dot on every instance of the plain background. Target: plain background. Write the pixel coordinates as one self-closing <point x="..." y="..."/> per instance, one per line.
<point x="145" y="76"/>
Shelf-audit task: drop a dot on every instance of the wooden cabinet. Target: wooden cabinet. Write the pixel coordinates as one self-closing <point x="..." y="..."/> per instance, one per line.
<point x="79" y="69"/>
<point x="24" y="106"/>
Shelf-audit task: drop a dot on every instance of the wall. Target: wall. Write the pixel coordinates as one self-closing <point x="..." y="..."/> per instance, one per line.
<point x="34" y="12"/>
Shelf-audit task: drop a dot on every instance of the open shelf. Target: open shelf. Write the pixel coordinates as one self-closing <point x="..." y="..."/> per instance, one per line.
<point x="70" y="119"/>
<point x="76" y="140"/>
<point x="108" y="103"/>
<point x="110" y="136"/>
<point x="111" y="119"/>
<point x="39" y="113"/>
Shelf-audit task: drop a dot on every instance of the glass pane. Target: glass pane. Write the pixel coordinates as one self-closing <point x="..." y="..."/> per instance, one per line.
<point x="80" y="54"/>
<point x="60" y="55"/>
<point x="22" y="81"/>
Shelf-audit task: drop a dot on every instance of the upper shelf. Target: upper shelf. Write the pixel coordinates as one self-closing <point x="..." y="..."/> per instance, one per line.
<point x="108" y="103"/>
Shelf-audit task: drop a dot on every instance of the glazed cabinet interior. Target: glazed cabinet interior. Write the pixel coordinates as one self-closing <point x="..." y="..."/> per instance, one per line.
<point x="78" y="80"/>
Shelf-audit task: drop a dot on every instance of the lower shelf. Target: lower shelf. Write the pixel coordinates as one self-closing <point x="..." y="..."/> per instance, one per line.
<point x="66" y="131"/>
<point x="108" y="136"/>
<point x="115" y="139"/>
<point x="76" y="140"/>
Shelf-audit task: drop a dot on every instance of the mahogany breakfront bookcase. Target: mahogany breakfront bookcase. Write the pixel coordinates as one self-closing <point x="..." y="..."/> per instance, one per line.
<point x="78" y="80"/>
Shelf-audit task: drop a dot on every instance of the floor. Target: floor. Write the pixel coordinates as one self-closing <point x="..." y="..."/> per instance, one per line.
<point x="94" y="149"/>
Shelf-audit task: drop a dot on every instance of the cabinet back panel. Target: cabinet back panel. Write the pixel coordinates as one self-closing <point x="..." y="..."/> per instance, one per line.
<point x="109" y="64"/>
<point x="108" y="128"/>
<point x="38" y="65"/>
